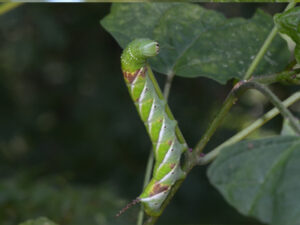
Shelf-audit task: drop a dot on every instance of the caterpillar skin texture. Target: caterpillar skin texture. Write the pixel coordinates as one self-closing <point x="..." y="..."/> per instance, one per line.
<point x="153" y="111"/>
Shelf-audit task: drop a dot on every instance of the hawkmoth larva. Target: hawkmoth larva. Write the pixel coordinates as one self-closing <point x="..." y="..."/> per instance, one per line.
<point x="167" y="140"/>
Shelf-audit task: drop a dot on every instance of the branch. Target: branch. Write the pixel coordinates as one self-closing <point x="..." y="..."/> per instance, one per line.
<point x="229" y="102"/>
<point x="286" y="77"/>
<point x="248" y="130"/>
<point x="231" y="99"/>
<point x="264" y="47"/>
<point x="6" y="7"/>
<point x="168" y="85"/>
<point x="275" y="101"/>
<point x="151" y="220"/>
<point x="146" y="181"/>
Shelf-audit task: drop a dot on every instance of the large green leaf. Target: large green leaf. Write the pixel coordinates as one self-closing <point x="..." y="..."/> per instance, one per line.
<point x="197" y="42"/>
<point x="261" y="178"/>
<point x="289" y="23"/>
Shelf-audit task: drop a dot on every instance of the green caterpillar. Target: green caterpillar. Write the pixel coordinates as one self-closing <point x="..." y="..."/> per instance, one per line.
<point x="168" y="142"/>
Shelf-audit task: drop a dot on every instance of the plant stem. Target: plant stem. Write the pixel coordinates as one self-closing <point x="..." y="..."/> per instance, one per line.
<point x="151" y="220"/>
<point x="229" y="102"/>
<point x="289" y="77"/>
<point x="248" y="130"/>
<point x="146" y="181"/>
<point x="149" y="167"/>
<point x="261" y="53"/>
<point x="275" y="101"/>
<point x="6" y="7"/>
<point x="168" y="85"/>
<point x="264" y="47"/>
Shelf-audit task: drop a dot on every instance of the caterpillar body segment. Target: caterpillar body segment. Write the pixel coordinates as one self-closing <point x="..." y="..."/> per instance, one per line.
<point x="168" y="143"/>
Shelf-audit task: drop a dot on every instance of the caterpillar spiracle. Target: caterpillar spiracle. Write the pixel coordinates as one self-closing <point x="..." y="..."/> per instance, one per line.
<point x="167" y="140"/>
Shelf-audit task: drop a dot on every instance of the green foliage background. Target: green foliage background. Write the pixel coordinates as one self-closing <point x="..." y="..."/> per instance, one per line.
<point x="72" y="147"/>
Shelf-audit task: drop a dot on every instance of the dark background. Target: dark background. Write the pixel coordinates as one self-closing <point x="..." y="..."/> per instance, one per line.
<point x="72" y="147"/>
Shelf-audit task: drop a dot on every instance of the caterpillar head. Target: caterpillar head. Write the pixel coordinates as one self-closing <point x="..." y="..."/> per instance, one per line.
<point x="136" y="53"/>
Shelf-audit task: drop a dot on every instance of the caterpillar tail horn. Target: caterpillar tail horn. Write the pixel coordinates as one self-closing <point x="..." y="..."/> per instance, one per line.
<point x="128" y="206"/>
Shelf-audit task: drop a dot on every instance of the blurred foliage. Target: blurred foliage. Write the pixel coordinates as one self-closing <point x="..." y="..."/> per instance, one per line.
<point x="289" y="23"/>
<point x="72" y="147"/>
<point x="54" y="198"/>
<point x="39" y="221"/>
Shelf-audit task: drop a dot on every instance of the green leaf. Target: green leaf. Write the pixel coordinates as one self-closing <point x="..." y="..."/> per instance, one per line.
<point x="39" y="221"/>
<point x="197" y="42"/>
<point x="289" y="23"/>
<point x="261" y="178"/>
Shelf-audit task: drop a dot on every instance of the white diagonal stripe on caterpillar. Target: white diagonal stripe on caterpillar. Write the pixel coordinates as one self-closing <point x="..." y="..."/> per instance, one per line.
<point x="132" y="85"/>
<point x="155" y="201"/>
<point x="173" y="175"/>
<point x="171" y="151"/>
<point x="142" y="96"/>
